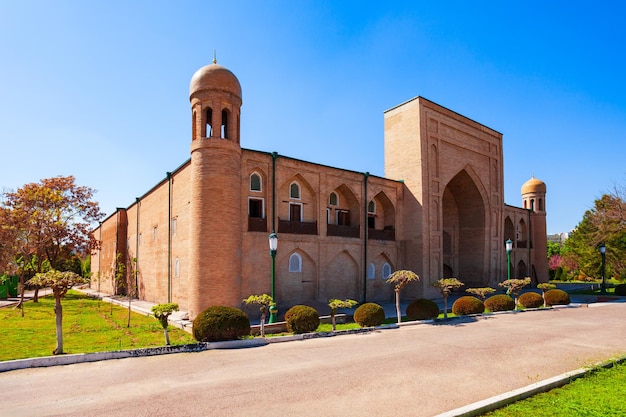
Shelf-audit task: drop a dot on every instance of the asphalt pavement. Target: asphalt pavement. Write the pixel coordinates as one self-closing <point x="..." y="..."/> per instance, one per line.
<point x="413" y="370"/>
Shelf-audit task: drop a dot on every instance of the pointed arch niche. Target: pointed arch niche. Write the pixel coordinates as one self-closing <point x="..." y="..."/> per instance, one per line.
<point x="381" y="221"/>
<point x="297" y="278"/>
<point x="464" y="227"/>
<point x="343" y="218"/>
<point x="341" y="278"/>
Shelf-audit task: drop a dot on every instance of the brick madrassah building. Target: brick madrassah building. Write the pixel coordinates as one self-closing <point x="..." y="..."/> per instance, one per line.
<point x="200" y="236"/>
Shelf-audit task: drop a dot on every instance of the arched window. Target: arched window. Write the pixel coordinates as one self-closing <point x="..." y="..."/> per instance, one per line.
<point x="386" y="270"/>
<point x="255" y="182"/>
<point x="209" y="122"/>
<point x="371" y="271"/>
<point x="371" y="215"/>
<point x="295" y="263"/>
<point x="294" y="190"/>
<point x="176" y="268"/>
<point x="193" y="126"/>
<point x="224" y="131"/>
<point x="541" y="204"/>
<point x="333" y="200"/>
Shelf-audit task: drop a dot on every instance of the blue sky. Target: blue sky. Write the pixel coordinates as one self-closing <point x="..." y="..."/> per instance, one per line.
<point x="99" y="90"/>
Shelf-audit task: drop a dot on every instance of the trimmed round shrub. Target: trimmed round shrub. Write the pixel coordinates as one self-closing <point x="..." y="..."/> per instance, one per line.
<point x="220" y="323"/>
<point x="369" y="314"/>
<point x="620" y="290"/>
<point x="557" y="297"/>
<point x="530" y="300"/>
<point x="302" y="319"/>
<point x="500" y="302"/>
<point x="422" y="309"/>
<point x="467" y="305"/>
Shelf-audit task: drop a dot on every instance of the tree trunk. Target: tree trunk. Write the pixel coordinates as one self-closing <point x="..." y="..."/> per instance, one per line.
<point x="398" y="306"/>
<point x="21" y="285"/>
<point x="332" y="319"/>
<point x="263" y="324"/>
<point x="167" y="336"/>
<point x="58" y="311"/>
<point x="445" y="306"/>
<point x="128" y="324"/>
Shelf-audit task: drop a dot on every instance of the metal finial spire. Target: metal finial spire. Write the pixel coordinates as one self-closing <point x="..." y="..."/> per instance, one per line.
<point x="214" y="56"/>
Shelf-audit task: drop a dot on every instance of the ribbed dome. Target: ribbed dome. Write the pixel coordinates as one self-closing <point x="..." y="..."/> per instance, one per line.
<point x="533" y="185"/>
<point x="215" y="77"/>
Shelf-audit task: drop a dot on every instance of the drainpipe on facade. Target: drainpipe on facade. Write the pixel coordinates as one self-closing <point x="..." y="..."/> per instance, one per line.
<point x="530" y="260"/>
<point x="99" y="257"/>
<point x="169" y="237"/>
<point x="365" y="230"/>
<point x="115" y="258"/>
<point x="136" y="267"/>
<point x="274" y="156"/>
<point x="273" y="307"/>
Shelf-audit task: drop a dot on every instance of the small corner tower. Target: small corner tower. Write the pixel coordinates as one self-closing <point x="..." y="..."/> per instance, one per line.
<point x="534" y="200"/>
<point x="215" y="243"/>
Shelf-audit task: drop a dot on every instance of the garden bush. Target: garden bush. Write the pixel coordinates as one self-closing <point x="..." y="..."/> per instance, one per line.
<point x="530" y="300"/>
<point x="557" y="297"/>
<point x="302" y="319"/>
<point x="620" y="289"/>
<point x="500" y="302"/>
<point x="219" y="323"/>
<point x="467" y="305"/>
<point x="369" y="314"/>
<point x="422" y="309"/>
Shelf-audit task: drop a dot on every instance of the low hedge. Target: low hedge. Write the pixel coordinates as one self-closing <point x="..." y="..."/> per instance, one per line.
<point x="620" y="290"/>
<point x="369" y="315"/>
<point x="466" y="305"/>
<point x="302" y="319"/>
<point x="500" y="302"/>
<point x="422" y="309"/>
<point x="219" y="323"/>
<point x="530" y="300"/>
<point x="557" y="297"/>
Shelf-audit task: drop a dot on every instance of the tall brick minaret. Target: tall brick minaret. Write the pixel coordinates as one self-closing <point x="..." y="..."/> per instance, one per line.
<point x="534" y="199"/>
<point x="215" y="243"/>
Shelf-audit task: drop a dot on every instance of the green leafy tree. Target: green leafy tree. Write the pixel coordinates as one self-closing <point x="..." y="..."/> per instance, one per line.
<point x="265" y="302"/>
<point x="162" y="313"/>
<point x="445" y="287"/>
<point x="604" y="224"/>
<point x="400" y="279"/>
<point x="60" y="283"/>
<point x="515" y="286"/>
<point x="335" y="304"/>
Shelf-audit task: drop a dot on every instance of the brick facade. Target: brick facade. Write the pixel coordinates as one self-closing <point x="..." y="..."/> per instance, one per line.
<point x="200" y="236"/>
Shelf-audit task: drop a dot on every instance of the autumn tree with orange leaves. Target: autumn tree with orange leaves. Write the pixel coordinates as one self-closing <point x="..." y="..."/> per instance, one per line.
<point x="42" y="221"/>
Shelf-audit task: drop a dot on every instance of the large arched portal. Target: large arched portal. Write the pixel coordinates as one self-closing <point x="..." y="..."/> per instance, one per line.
<point x="464" y="230"/>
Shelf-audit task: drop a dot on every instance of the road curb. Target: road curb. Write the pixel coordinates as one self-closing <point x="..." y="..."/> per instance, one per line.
<point x="47" y="361"/>
<point x="501" y="400"/>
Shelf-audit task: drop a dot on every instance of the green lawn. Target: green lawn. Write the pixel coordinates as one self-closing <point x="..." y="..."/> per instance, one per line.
<point x="597" y="394"/>
<point x="88" y="326"/>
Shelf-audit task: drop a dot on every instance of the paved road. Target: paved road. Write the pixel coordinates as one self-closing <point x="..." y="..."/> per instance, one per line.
<point x="419" y="370"/>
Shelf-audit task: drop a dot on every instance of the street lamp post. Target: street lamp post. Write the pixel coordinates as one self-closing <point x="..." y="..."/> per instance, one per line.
<point x="273" y="239"/>
<point x="509" y="248"/>
<point x="603" y="269"/>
